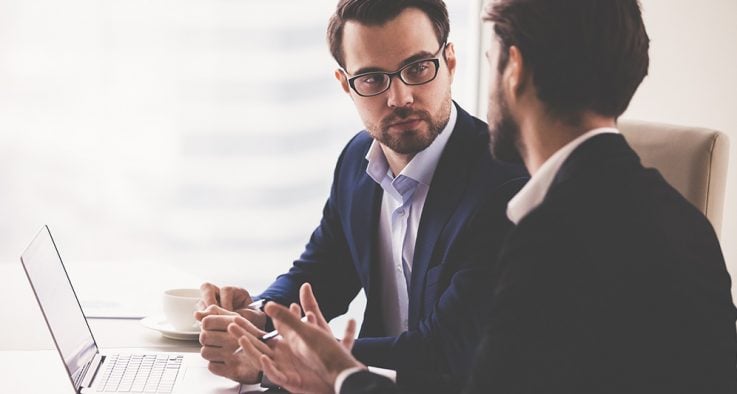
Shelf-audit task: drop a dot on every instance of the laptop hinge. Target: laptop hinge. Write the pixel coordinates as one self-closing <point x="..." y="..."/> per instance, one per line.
<point x="91" y="371"/>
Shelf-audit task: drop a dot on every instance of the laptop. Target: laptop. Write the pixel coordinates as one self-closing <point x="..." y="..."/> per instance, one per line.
<point x="93" y="371"/>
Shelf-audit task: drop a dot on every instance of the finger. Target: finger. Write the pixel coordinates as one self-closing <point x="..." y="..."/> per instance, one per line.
<point x="218" y="368"/>
<point x="210" y="310"/>
<point x="284" y="320"/>
<point x="295" y="309"/>
<point x="214" y="354"/>
<point x="217" y="338"/>
<point x="243" y="298"/>
<point x="214" y="310"/>
<point x="309" y="303"/>
<point x="257" y="317"/>
<point x="274" y="374"/>
<point x="226" y="297"/>
<point x="350" y="335"/>
<point x="249" y="327"/>
<point x="208" y="294"/>
<point x="254" y="346"/>
<point x="216" y="322"/>
<point x="236" y="331"/>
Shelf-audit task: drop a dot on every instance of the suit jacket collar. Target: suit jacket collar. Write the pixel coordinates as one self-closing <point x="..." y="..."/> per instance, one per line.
<point x="448" y="187"/>
<point x="595" y="157"/>
<point x="533" y="193"/>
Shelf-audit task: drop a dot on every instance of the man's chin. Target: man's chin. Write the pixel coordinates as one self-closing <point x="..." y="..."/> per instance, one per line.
<point x="503" y="148"/>
<point x="408" y="145"/>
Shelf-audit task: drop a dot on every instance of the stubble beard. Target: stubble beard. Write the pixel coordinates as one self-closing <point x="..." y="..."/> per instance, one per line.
<point x="412" y="141"/>
<point x="504" y="134"/>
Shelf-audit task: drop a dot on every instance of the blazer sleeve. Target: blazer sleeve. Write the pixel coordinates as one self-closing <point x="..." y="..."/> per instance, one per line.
<point x="325" y="262"/>
<point x="436" y="357"/>
<point x="365" y="382"/>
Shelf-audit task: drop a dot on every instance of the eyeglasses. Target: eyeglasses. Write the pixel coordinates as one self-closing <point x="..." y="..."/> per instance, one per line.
<point x="416" y="73"/>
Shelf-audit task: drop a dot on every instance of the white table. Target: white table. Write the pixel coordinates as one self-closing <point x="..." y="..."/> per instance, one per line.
<point x="27" y="350"/>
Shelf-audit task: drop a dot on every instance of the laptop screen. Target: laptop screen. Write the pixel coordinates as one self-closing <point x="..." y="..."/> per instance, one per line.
<point x="59" y="303"/>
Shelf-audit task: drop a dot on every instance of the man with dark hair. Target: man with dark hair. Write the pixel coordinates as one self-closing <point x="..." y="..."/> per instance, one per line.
<point x="416" y="213"/>
<point x="611" y="282"/>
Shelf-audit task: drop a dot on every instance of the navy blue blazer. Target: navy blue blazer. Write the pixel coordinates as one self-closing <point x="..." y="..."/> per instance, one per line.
<point x="462" y="227"/>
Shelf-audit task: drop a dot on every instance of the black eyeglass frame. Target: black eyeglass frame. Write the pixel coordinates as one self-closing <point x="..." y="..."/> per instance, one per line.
<point x="398" y="73"/>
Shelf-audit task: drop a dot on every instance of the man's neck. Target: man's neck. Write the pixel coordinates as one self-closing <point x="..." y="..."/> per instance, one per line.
<point x="396" y="161"/>
<point x="543" y="136"/>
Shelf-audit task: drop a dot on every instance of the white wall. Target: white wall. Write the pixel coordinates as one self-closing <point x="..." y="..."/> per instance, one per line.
<point x="693" y="81"/>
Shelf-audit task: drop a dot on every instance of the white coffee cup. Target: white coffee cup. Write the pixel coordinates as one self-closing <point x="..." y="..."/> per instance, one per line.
<point x="179" y="307"/>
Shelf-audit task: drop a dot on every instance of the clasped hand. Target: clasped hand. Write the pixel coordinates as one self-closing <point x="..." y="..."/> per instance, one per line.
<point x="222" y="307"/>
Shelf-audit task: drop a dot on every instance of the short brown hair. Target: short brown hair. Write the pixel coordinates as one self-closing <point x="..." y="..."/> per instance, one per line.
<point x="378" y="12"/>
<point x="583" y="54"/>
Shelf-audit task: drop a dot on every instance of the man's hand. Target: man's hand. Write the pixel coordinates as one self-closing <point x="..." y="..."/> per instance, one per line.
<point x="228" y="298"/>
<point x="218" y="346"/>
<point x="296" y="376"/>
<point x="310" y="343"/>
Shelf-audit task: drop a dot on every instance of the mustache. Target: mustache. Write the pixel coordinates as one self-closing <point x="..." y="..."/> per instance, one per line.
<point x="400" y="114"/>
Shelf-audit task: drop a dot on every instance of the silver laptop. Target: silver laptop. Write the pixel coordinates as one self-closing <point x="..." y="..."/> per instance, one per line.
<point x="91" y="370"/>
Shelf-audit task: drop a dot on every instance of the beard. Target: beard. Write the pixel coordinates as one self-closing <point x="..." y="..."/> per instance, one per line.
<point x="411" y="141"/>
<point x="504" y="134"/>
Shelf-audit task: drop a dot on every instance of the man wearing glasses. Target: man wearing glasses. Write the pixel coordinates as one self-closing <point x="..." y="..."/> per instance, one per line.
<point x="415" y="217"/>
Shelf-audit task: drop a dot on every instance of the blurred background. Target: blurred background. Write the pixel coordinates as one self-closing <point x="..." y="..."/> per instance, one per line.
<point x="169" y="142"/>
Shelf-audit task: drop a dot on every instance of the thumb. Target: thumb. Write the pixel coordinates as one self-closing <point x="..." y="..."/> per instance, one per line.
<point x="212" y="310"/>
<point x="309" y="304"/>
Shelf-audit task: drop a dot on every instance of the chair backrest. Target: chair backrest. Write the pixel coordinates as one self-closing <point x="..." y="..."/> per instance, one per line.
<point x="693" y="160"/>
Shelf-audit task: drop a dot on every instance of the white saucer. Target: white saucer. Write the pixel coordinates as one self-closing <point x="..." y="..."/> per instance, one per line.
<point x="160" y="324"/>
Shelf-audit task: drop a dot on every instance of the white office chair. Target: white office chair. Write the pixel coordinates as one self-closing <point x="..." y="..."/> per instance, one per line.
<point x="693" y="160"/>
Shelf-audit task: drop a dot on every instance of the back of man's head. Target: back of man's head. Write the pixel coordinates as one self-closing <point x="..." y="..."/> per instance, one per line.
<point x="584" y="55"/>
<point x="378" y="12"/>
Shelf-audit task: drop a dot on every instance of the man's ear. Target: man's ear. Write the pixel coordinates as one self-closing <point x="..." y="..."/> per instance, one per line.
<point x="516" y="72"/>
<point x="343" y="79"/>
<point x="450" y="58"/>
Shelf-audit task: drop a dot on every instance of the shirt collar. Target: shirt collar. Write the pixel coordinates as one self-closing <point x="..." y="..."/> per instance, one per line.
<point x="533" y="193"/>
<point x="422" y="167"/>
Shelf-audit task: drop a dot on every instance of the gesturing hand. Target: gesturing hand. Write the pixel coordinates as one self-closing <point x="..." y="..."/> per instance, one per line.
<point x="311" y="343"/>
<point x="293" y="375"/>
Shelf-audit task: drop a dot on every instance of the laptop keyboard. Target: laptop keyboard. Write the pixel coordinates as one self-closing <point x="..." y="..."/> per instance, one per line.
<point x="140" y="373"/>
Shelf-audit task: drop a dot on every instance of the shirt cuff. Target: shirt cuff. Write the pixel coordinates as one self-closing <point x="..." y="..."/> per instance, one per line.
<point x="387" y="373"/>
<point x="343" y="376"/>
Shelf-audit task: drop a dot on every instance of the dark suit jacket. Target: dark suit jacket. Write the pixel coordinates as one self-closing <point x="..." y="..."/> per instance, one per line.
<point x="614" y="284"/>
<point x="462" y="227"/>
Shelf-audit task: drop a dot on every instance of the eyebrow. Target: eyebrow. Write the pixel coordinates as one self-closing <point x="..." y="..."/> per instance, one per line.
<point x="417" y="56"/>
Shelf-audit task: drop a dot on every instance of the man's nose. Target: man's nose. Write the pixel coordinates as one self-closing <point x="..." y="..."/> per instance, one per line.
<point x="399" y="94"/>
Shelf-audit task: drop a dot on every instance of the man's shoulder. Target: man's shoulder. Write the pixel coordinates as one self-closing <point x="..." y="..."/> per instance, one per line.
<point x="358" y="145"/>
<point x="352" y="159"/>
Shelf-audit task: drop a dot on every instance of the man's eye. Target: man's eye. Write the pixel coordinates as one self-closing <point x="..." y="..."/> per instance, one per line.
<point x="370" y="79"/>
<point x="418" y="69"/>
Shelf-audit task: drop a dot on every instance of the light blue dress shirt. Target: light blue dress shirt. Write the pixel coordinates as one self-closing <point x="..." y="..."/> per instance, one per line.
<point x="401" y="209"/>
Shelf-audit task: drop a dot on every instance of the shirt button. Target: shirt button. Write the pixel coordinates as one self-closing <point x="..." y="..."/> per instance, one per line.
<point x="400" y="212"/>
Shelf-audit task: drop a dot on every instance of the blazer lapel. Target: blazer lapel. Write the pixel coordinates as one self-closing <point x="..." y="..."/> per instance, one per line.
<point x="364" y="219"/>
<point x="448" y="187"/>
